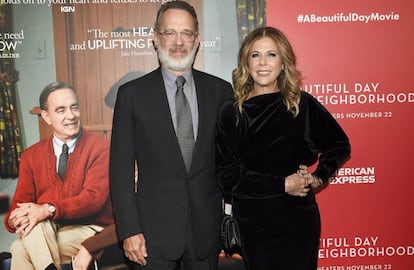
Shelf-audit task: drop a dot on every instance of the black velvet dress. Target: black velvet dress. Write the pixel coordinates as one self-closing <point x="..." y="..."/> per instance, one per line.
<point x="256" y="150"/>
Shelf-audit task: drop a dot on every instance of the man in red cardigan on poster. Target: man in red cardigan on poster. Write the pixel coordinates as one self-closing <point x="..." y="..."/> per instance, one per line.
<point x="59" y="201"/>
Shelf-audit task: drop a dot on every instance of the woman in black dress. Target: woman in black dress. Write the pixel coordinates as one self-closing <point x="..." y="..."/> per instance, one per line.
<point x="265" y="141"/>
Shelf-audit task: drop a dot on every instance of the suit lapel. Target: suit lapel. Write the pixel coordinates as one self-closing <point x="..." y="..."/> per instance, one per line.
<point x="162" y="109"/>
<point x="159" y="103"/>
<point x="162" y="117"/>
<point x="204" y="111"/>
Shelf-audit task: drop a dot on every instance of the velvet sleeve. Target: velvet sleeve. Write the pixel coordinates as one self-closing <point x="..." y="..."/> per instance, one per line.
<point x="328" y="138"/>
<point x="235" y="180"/>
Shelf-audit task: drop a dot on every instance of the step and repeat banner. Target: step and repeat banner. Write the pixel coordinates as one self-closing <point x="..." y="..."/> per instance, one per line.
<point x="355" y="56"/>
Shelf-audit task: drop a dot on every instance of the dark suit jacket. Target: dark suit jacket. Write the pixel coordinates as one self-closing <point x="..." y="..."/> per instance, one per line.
<point x="167" y="194"/>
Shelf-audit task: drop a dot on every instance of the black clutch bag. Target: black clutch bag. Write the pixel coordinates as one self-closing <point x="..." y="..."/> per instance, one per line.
<point x="230" y="235"/>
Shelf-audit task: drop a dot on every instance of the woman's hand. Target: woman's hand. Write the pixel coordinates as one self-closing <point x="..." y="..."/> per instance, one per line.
<point x="315" y="181"/>
<point x="297" y="184"/>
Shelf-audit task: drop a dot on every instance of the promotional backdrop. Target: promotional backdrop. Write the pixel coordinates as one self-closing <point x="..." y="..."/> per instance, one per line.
<point x="356" y="59"/>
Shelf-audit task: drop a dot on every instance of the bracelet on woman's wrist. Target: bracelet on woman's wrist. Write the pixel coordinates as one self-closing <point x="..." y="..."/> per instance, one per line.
<point x="318" y="180"/>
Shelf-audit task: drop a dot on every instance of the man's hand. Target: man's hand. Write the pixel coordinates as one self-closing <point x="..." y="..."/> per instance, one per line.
<point x="135" y="249"/>
<point x="28" y="215"/>
<point x="82" y="260"/>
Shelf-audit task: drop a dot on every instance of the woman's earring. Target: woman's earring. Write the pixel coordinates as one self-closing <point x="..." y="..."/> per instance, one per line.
<point x="249" y="80"/>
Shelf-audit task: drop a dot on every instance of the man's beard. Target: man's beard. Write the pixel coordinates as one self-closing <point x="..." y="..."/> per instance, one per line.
<point x="180" y="64"/>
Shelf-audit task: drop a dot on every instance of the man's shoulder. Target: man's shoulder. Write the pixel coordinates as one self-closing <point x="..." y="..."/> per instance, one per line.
<point x="201" y="75"/>
<point x="153" y="76"/>
<point x="142" y="85"/>
<point x="215" y="87"/>
<point x="92" y="147"/>
<point x="39" y="145"/>
<point x="92" y="137"/>
<point x="36" y="150"/>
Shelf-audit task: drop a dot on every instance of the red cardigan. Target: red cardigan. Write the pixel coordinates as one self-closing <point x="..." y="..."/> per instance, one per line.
<point x="83" y="196"/>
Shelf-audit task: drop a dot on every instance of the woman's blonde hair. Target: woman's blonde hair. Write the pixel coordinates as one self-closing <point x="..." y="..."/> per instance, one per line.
<point x="289" y="80"/>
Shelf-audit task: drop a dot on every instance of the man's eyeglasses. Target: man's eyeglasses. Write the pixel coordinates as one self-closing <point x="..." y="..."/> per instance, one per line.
<point x="169" y="35"/>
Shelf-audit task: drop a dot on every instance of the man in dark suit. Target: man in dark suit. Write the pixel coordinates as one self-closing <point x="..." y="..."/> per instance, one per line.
<point x="173" y="218"/>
